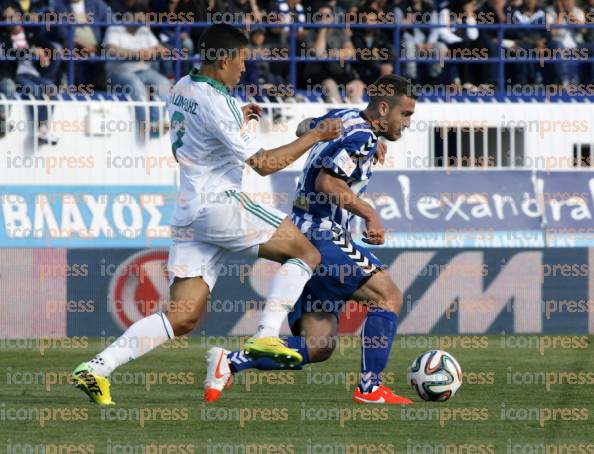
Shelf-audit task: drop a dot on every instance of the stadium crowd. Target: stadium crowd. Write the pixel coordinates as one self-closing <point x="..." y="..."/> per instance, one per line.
<point x="34" y="56"/>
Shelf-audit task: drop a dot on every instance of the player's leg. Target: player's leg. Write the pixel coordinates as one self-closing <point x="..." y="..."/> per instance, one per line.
<point x="221" y="364"/>
<point x="319" y="331"/>
<point x="193" y="271"/>
<point x="384" y="301"/>
<point x="315" y="344"/>
<point x="299" y="258"/>
<point x="286" y="245"/>
<point x="188" y="300"/>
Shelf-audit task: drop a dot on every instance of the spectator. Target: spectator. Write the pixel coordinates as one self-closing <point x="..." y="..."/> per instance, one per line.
<point x="420" y="42"/>
<point x="565" y="71"/>
<point x="588" y="68"/>
<point x="333" y="43"/>
<point x="22" y="75"/>
<point x="137" y="45"/>
<point x="460" y="41"/>
<point x="287" y="12"/>
<point x="589" y="13"/>
<point x="377" y="62"/>
<point x="339" y="11"/>
<point x="32" y="11"/>
<point x="33" y="6"/>
<point x="379" y="6"/>
<point x="244" y="11"/>
<point x="87" y="39"/>
<point x="120" y="7"/>
<point x="490" y="12"/>
<point x="167" y="36"/>
<point x="258" y="74"/>
<point x="202" y="11"/>
<point x="525" y="41"/>
<point x="258" y="71"/>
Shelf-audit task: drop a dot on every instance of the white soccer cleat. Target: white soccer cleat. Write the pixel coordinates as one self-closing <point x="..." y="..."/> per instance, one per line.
<point x="218" y="374"/>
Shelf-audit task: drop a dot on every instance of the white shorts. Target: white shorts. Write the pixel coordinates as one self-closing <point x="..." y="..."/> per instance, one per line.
<point x="233" y="223"/>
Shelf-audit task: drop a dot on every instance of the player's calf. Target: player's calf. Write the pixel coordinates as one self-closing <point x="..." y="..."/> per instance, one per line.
<point x="384" y="300"/>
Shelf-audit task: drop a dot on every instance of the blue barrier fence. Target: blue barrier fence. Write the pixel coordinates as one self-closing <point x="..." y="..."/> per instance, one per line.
<point x="294" y="59"/>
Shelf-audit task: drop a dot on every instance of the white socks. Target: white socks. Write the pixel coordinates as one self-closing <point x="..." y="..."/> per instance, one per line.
<point x="142" y="337"/>
<point x="285" y="290"/>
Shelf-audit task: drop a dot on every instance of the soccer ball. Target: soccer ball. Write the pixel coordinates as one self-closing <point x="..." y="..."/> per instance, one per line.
<point x="435" y="375"/>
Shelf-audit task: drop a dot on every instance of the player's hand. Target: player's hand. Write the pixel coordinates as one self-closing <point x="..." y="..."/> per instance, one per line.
<point x="380" y="153"/>
<point x="44" y="59"/>
<point x="328" y="129"/>
<point x="251" y="111"/>
<point x="374" y="231"/>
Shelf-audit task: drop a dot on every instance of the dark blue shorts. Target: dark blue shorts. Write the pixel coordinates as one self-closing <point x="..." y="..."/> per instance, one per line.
<point x="345" y="267"/>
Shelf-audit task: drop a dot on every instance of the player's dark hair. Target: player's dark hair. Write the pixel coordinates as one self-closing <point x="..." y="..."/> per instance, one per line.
<point x="390" y="89"/>
<point x="221" y="41"/>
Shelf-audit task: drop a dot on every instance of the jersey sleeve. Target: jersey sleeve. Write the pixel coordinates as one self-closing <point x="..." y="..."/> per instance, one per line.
<point x="226" y="123"/>
<point x="350" y="154"/>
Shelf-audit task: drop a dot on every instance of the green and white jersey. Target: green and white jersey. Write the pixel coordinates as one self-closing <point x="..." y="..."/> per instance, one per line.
<point x="208" y="141"/>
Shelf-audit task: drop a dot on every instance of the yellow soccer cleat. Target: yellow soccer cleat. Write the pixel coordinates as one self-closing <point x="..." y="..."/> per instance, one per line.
<point x="274" y="348"/>
<point x="93" y="385"/>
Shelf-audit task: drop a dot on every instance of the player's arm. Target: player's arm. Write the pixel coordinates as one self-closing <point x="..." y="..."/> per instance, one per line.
<point x="339" y="193"/>
<point x="266" y="162"/>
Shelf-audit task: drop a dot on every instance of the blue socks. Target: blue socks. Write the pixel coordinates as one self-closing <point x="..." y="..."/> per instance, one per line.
<point x="377" y="336"/>
<point x="239" y="361"/>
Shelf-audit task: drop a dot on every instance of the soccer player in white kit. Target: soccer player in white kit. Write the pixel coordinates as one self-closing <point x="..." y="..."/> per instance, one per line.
<point x="212" y="217"/>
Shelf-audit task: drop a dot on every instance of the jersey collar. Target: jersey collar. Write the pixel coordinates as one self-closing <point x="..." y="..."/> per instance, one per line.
<point x="197" y="77"/>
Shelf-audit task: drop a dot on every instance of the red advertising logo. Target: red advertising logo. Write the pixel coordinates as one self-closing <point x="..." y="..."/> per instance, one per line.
<point x="139" y="287"/>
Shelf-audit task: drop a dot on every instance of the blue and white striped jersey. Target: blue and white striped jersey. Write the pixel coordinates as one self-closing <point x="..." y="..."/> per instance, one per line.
<point x="348" y="157"/>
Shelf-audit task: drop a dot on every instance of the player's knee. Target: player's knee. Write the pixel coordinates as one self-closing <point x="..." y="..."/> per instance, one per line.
<point x="183" y="325"/>
<point x="319" y="354"/>
<point x="320" y="347"/>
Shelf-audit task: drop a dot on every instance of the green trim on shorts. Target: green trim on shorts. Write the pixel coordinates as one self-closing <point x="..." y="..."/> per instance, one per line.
<point x="256" y="210"/>
<point x="260" y="208"/>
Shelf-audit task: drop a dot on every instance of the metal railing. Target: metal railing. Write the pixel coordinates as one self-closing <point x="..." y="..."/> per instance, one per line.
<point x="293" y="58"/>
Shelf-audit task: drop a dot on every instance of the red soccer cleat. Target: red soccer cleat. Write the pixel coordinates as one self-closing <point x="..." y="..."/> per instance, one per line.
<point x="381" y="395"/>
<point x="218" y="374"/>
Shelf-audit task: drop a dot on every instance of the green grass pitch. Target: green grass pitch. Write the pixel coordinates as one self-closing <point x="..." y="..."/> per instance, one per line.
<point x="521" y="394"/>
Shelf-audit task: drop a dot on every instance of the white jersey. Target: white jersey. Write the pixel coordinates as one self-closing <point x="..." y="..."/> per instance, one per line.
<point x="208" y="141"/>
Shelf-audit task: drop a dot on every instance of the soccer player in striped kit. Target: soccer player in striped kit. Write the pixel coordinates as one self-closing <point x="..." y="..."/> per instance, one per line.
<point x="328" y="196"/>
